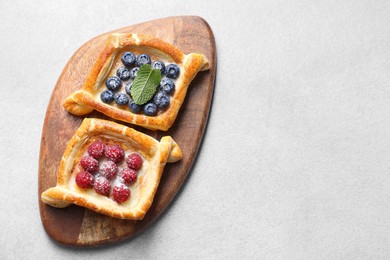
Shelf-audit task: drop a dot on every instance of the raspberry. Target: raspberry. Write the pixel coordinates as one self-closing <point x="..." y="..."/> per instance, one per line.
<point x="96" y="149"/>
<point x="84" y="180"/>
<point x="129" y="176"/>
<point x="89" y="163"/>
<point x="108" y="169"/>
<point x="134" y="161"/>
<point x="114" y="153"/>
<point x="120" y="193"/>
<point x="102" y="185"/>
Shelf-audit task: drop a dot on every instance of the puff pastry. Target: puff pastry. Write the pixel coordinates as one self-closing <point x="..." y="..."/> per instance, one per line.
<point x="155" y="155"/>
<point x="88" y="99"/>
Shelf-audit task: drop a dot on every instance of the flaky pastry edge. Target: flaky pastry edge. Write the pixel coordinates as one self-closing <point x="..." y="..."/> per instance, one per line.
<point x="83" y="101"/>
<point x="160" y="153"/>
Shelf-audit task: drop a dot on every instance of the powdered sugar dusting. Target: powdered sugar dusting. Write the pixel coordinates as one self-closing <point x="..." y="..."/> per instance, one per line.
<point x="115" y="180"/>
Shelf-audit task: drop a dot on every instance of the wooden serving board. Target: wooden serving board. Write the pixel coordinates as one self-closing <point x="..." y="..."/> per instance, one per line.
<point x="78" y="226"/>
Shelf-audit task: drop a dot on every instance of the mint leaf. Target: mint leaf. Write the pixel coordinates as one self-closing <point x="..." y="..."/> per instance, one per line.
<point x="145" y="84"/>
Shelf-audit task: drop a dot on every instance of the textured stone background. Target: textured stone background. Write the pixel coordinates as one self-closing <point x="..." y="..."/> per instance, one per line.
<point x="295" y="163"/>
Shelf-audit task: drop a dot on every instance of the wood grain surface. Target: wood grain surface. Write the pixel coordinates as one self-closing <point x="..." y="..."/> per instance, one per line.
<point x="76" y="226"/>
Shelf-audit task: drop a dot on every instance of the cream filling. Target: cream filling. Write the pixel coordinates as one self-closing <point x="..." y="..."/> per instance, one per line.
<point x="135" y="188"/>
<point x="114" y="63"/>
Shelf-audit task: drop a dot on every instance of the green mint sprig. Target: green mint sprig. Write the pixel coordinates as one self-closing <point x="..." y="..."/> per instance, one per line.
<point x="145" y="84"/>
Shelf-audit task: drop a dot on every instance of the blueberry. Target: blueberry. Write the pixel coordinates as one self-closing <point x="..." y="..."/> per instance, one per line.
<point x="172" y="71"/>
<point x="167" y="85"/>
<point x="113" y="83"/>
<point x="134" y="72"/>
<point x="134" y="107"/>
<point x="128" y="58"/>
<point x="161" y="99"/>
<point x="159" y="65"/>
<point x="121" y="99"/>
<point x="143" y="59"/>
<point x="150" y="109"/>
<point x="107" y="96"/>
<point x="123" y="73"/>
<point x="128" y="87"/>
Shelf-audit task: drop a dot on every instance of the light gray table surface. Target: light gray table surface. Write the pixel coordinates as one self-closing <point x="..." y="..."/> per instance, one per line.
<point x="295" y="162"/>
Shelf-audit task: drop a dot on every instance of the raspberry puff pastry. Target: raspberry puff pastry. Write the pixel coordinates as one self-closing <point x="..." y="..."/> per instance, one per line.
<point x="111" y="63"/>
<point x="111" y="169"/>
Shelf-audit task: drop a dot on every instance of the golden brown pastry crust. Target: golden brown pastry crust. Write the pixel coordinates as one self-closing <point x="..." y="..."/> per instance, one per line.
<point x="157" y="154"/>
<point x="86" y="100"/>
